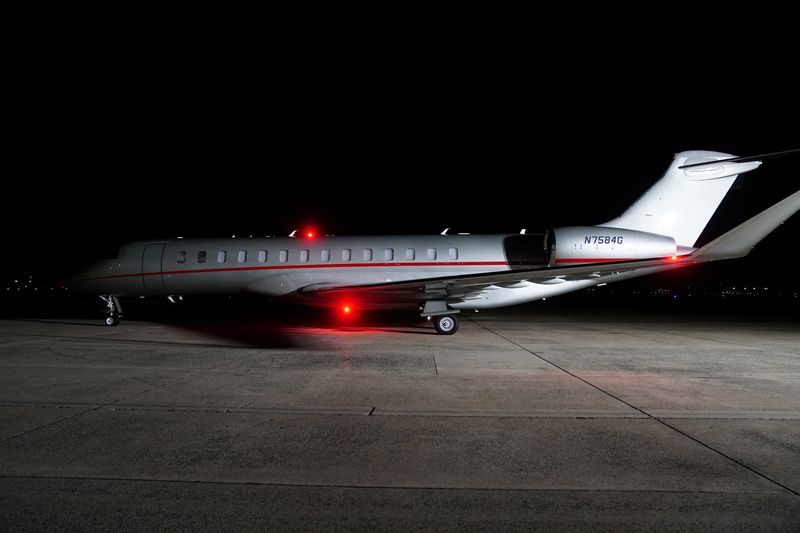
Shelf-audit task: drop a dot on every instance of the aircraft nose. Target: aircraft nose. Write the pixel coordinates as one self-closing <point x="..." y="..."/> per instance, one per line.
<point x="71" y="282"/>
<point x="77" y="281"/>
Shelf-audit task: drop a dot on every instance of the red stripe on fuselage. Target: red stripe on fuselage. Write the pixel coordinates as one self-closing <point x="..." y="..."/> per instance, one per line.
<point x="294" y="267"/>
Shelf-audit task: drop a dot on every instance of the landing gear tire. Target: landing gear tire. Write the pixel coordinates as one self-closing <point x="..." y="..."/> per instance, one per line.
<point x="445" y="324"/>
<point x="112" y="321"/>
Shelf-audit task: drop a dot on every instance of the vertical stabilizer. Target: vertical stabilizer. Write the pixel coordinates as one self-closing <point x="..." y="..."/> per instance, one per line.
<point x="682" y="202"/>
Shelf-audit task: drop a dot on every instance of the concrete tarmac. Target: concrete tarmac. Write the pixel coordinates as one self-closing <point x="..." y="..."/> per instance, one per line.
<point x="523" y="420"/>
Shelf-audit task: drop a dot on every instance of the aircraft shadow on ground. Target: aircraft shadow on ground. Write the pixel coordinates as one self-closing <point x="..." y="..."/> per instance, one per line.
<point x="242" y="323"/>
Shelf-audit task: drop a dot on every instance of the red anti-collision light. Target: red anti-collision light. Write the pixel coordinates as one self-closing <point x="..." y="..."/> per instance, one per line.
<point x="310" y="234"/>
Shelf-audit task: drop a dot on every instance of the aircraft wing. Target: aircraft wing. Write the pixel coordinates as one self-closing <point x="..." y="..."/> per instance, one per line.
<point x="736" y="243"/>
<point x="461" y="287"/>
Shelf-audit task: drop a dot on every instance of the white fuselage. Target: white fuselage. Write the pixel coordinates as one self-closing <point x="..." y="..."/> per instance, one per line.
<point x="277" y="267"/>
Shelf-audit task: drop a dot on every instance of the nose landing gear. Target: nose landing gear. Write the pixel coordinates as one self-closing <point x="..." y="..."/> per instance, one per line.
<point x="113" y="310"/>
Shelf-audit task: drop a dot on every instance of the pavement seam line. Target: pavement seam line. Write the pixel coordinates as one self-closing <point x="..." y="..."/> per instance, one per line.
<point x="106" y="340"/>
<point x="698" y="336"/>
<point x="371" y="487"/>
<point x="101" y="406"/>
<point x="346" y="411"/>
<point x="648" y="415"/>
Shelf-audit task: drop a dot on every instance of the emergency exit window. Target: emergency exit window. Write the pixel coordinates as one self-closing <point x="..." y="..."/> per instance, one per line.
<point x="388" y="254"/>
<point x="262" y="256"/>
<point x="182" y="256"/>
<point x="201" y="256"/>
<point x="283" y="255"/>
<point x="222" y="256"/>
<point x="304" y="256"/>
<point x="325" y="256"/>
<point x="453" y="253"/>
<point x="410" y="254"/>
<point x="432" y="254"/>
<point x="347" y="254"/>
<point x="242" y="256"/>
<point x="367" y="254"/>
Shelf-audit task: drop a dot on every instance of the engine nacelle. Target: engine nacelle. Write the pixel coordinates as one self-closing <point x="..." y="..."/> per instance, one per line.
<point x="597" y="244"/>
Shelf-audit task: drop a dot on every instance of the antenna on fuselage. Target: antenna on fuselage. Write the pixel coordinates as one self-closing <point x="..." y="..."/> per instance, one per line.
<point x="445" y="231"/>
<point x="522" y="231"/>
<point x="292" y="233"/>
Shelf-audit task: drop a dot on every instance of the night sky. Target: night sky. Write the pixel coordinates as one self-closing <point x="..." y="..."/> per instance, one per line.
<point x="167" y="143"/>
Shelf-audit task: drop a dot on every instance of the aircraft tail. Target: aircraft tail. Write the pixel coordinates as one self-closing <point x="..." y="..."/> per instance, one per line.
<point x="682" y="202"/>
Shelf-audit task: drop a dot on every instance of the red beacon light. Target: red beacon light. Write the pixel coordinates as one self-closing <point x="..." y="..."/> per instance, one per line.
<point x="346" y="310"/>
<point x="310" y="234"/>
<point x="673" y="258"/>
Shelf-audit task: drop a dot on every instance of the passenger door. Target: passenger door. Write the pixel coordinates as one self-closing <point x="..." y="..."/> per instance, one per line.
<point x="151" y="266"/>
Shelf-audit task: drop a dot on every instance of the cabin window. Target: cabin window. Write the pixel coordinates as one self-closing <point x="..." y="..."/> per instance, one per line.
<point x="182" y="256"/>
<point x="262" y="256"/>
<point x="201" y="256"/>
<point x="367" y="254"/>
<point x="325" y="256"/>
<point x="347" y="254"/>
<point x="303" y="256"/>
<point x="452" y="253"/>
<point x="242" y="257"/>
<point x="432" y="254"/>
<point x="388" y="254"/>
<point x="222" y="255"/>
<point x="410" y="254"/>
<point x="283" y="256"/>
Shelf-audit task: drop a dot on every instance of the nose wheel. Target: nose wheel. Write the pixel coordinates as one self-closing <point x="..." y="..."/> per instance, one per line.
<point x="445" y="324"/>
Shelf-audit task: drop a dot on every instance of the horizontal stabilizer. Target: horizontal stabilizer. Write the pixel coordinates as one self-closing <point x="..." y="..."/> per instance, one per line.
<point x="739" y="241"/>
<point x="742" y="159"/>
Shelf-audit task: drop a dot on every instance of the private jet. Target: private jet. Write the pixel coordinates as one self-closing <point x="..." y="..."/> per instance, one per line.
<point x="440" y="275"/>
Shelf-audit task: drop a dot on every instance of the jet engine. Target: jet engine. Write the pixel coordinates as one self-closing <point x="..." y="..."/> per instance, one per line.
<point x="597" y="244"/>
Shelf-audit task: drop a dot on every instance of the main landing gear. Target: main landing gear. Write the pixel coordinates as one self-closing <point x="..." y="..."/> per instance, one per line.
<point x="445" y="324"/>
<point x="113" y="310"/>
<point x="444" y="318"/>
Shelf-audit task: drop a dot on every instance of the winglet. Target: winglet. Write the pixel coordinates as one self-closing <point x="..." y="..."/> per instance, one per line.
<point x="740" y="240"/>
